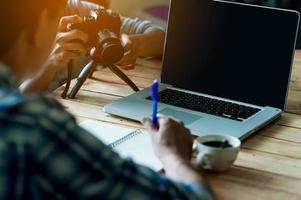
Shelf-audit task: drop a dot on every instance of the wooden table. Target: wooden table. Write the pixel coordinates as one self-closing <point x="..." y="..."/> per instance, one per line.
<point x="269" y="164"/>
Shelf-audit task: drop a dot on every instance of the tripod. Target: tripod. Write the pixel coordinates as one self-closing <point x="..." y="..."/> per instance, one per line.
<point x="87" y="72"/>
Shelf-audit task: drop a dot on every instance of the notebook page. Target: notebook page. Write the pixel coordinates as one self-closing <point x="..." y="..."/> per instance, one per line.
<point x="105" y="132"/>
<point x="138" y="148"/>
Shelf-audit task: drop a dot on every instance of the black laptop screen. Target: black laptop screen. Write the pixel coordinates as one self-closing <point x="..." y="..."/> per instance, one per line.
<point x="230" y="50"/>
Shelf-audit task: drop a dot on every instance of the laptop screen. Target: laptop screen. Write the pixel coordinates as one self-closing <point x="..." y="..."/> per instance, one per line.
<point x="230" y="50"/>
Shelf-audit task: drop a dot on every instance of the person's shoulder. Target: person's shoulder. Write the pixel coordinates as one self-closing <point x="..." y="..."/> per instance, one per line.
<point x="38" y="110"/>
<point x="46" y="107"/>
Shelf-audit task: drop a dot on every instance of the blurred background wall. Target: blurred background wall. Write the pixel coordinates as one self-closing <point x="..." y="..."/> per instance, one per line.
<point x="155" y="10"/>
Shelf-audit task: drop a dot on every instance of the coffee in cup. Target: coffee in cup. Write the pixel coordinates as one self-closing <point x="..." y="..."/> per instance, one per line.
<point x="217" y="152"/>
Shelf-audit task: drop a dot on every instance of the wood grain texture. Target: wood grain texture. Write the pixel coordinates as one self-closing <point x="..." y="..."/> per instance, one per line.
<point x="269" y="164"/>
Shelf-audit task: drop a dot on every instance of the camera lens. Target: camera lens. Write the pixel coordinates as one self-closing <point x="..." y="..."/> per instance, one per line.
<point x="109" y="52"/>
<point x="109" y="49"/>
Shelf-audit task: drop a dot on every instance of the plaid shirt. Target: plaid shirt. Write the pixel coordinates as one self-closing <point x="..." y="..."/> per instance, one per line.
<point x="45" y="155"/>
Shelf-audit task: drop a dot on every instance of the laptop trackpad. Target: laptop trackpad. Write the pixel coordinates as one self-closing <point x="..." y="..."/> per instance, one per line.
<point x="185" y="117"/>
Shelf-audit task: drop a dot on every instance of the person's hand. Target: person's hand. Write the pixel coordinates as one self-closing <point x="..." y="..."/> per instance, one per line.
<point x="68" y="45"/>
<point x="170" y="140"/>
<point x="130" y="56"/>
<point x="172" y="144"/>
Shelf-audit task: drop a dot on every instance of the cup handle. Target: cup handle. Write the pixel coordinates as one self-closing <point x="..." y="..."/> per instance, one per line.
<point x="205" y="161"/>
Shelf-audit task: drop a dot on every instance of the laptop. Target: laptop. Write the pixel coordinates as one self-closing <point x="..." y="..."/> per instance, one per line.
<point x="226" y="68"/>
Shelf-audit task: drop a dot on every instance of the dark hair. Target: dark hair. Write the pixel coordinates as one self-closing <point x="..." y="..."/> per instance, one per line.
<point x="19" y="15"/>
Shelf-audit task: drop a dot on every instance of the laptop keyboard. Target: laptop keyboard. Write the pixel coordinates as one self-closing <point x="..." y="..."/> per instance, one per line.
<point x="207" y="105"/>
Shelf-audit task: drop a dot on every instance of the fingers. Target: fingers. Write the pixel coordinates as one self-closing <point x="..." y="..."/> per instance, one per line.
<point x="166" y="122"/>
<point x="93" y="52"/>
<point x="63" y="25"/>
<point x="63" y="53"/>
<point x="163" y="122"/>
<point x="72" y="47"/>
<point x="72" y="35"/>
<point x="148" y="124"/>
<point x="67" y="56"/>
<point x="126" y="42"/>
<point x="60" y="60"/>
<point x="69" y="45"/>
<point x="77" y="48"/>
<point x="169" y="120"/>
<point x="130" y="56"/>
<point x="128" y="61"/>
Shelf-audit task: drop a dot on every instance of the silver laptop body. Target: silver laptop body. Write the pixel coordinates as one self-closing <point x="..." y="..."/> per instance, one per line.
<point x="226" y="68"/>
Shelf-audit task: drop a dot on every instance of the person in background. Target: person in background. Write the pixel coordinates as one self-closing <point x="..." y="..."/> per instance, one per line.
<point x="104" y="3"/>
<point x="44" y="154"/>
<point x="141" y="38"/>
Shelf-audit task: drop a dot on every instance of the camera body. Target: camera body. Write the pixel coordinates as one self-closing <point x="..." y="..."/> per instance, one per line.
<point x="103" y="29"/>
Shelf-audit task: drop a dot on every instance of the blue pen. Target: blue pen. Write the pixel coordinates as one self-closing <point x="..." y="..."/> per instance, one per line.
<point x="154" y="93"/>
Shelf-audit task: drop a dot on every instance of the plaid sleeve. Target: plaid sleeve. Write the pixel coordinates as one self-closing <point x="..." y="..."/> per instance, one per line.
<point x="132" y="26"/>
<point x="64" y="161"/>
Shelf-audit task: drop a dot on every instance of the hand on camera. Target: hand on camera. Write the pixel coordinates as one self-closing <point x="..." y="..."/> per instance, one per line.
<point x="68" y="45"/>
<point x="131" y="53"/>
<point x="171" y="140"/>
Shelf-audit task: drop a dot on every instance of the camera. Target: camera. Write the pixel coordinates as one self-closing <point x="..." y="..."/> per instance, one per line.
<point x="103" y="29"/>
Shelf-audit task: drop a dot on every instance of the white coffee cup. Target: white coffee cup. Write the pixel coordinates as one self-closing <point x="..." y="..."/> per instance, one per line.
<point x="217" y="158"/>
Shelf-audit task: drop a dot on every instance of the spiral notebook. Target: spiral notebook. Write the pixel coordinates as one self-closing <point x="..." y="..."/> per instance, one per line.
<point x="128" y="143"/>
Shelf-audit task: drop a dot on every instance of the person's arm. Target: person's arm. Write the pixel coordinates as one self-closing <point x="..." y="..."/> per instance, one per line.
<point x="172" y="143"/>
<point x="39" y="83"/>
<point x="141" y="38"/>
<point x="182" y="170"/>
<point x="150" y="43"/>
<point x="74" y="164"/>
<point x="68" y="45"/>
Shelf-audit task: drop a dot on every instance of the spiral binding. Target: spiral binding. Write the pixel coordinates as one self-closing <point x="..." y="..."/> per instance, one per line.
<point x="125" y="138"/>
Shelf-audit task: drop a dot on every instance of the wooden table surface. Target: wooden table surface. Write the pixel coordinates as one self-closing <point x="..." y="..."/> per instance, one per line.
<point x="269" y="164"/>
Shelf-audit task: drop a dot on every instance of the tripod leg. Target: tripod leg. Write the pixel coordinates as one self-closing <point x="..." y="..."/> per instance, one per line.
<point x="85" y="73"/>
<point x="69" y="78"/>
<point x="123" y="77"/>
